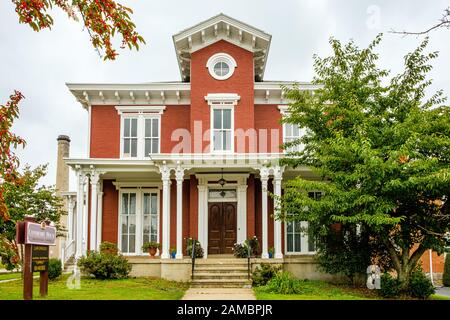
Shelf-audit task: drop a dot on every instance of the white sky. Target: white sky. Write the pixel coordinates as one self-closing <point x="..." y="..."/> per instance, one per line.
<point x="39" y="64"/>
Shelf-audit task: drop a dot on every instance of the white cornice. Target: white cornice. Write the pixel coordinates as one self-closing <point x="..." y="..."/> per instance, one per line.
<point x="222" y="98"/>
<point x="222" y="27"/>
<point x="140" y="109"/>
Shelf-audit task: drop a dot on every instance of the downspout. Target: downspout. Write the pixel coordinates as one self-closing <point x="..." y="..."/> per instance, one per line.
<point x="431" y="267"/>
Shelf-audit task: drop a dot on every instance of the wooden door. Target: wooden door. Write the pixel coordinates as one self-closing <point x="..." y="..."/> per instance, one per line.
<point x="222" y="221"/>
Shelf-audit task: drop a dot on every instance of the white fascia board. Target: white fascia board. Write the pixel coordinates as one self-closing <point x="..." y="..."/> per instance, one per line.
<point x="217" y="19"/>
<point x="276" y="85"/>
<point x="129" y="87"/>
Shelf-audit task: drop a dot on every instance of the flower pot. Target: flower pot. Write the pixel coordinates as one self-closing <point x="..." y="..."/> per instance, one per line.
<point x="270" y="255"/>
<point x="173" y="255"/>
<point x="152" y="251"/>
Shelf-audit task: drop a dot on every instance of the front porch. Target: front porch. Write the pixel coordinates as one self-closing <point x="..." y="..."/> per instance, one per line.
<point x="219" y="201"/>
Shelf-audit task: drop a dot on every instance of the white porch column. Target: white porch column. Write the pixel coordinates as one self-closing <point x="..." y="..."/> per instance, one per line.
<point x="99" y="214"/>
<point x="70" y="206"/>
<point x="241" y="213"/>
<point x="94" y="197"/>
<point x="85" y="214"/>
<point x="165" y="247"/>
<point x="202" y="221"/>
<point x="264" y="173"/>
<point x="80" y="200"/>
<point x="179" y="175"/>
<point x="278" y="176"/>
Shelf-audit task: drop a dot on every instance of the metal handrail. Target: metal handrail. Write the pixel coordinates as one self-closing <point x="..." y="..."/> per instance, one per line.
<point x="248" y="261"/>
<point x="194" y="244"/>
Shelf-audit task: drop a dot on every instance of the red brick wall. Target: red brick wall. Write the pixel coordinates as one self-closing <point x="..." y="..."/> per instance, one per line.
<point x="268" y="117"/>
<point x="174" y="117"/>
<point x="193" y="211"/>
<point x="110" y="215"/>
<point x="202" y="83"/>
<point x="186" y="211"/>
<point x="105" y="132"/>
<point x="173" y="214"/>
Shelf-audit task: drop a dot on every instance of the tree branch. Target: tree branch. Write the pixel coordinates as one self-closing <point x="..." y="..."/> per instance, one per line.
<point x="444" y="22"/>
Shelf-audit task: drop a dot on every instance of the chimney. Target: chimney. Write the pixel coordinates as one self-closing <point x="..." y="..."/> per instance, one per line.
<point x="62" y="170"/>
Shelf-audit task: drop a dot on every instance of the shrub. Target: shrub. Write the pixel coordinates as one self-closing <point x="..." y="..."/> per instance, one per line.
<point x="446" y="275"/>
<point x="108" y="247"/>
<point x="254" y="245"/>
<point x="198" y="248"/>
<point x="389" y="286"/>
<point x="419" y="285"/>
<point x="283" y="283"/>
<point x="240" y="250"/>
<point x="54" y="268"/>
<point x="263" y="274"/>
<point x="104" y="265"/>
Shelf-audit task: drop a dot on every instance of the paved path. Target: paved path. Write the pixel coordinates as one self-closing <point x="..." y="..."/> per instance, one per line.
<point x="444" y="291"/>
<point x="219" y="294"/>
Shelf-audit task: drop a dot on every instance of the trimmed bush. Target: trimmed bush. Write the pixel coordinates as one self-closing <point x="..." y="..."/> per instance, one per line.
<point x="390" y="287"/>
<point x="240" y="250"/>
<point x="283" y="283"/>
<point x="54" y="268"/>
<point x="105" y="265"/>
<point x="420" y="285"/>
<point x="198" y="248"/>
<point x="109" y="247"/>
<point x="446" y="275"/>
<point x="263" y="274"/>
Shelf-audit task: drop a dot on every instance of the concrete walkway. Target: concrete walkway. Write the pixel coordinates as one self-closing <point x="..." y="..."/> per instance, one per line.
<point x="219" y="294"/>
<point x="444" y="291"/>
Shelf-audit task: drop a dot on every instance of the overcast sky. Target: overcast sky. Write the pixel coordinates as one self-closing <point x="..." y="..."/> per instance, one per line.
<point x="39" y="64"/>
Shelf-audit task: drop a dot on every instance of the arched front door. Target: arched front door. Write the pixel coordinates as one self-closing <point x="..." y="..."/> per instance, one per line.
<point x="222" y="221"/>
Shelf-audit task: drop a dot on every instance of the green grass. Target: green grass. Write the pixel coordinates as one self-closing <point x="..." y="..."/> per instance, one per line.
<point x="320" y="290"/>
<point x="13" y="275"/>
<point x="92" y="289"/>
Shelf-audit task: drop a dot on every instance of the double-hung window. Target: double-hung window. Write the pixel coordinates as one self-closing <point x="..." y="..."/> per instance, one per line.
<point x="130" y="137"/>
<point x="292" y="132"/>
<point x="140" y="131"/>
<point x="299" y="238"/>
<point x="222" y="129"/>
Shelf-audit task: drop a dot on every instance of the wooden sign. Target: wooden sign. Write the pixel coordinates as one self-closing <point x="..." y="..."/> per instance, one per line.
<point x="39" y="260"/>
<point x="36" y="237"/>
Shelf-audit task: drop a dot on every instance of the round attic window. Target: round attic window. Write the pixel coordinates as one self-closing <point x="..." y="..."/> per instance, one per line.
<point x="221" y="66"/>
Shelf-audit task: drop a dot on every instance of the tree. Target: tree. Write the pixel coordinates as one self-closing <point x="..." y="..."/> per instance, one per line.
<point x="382" y="153"/>
<point x="102" y="19"/>
<point x="25" y="197"/>
<point x="8" y="141"/>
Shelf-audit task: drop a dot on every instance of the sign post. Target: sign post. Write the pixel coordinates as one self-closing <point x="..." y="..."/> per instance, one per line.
<point x="37" y="238"/>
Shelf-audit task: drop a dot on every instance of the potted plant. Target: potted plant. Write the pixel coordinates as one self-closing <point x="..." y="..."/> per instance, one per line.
<point x="254" y="246"/>
<point x="271" y="252"/>
<point x="151" y="247"/>
<point x="173" y="253"/>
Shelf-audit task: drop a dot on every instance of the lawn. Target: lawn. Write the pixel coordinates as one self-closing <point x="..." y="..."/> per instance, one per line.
<point x="92" y="289"/>
<point x="13" y="275"/>
<point x="320" y="290"/>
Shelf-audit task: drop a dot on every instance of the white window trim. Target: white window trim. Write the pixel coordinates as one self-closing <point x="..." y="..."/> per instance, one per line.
<point x="304" y="238"/>
<point x="141" y="117"/>
<point x="221" y="57"/>
<point x="139" y="215"/>
<point x="284" y="113"/>
<point x="221" y="101"/>
<point x="211" y="137"/>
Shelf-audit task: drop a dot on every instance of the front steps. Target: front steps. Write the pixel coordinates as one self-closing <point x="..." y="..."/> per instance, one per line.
<point x="221" y="273"/>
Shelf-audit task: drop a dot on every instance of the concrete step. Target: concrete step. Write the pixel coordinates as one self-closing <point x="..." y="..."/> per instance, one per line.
<point x="221" y="283"/>
<point x="215" y="276"/>
<point x="220" y="269"/>
<point x="231" y="261"/>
